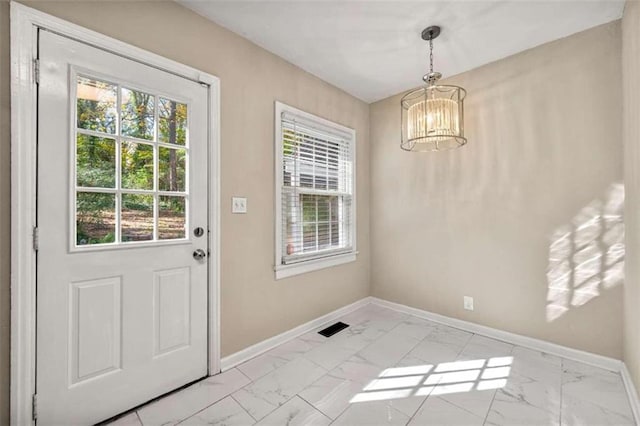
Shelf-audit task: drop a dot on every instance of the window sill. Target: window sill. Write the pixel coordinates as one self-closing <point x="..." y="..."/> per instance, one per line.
<point x="284" y="271"/>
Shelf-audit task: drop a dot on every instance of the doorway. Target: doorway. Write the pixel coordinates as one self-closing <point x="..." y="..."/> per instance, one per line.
<point x="125" y="224"/>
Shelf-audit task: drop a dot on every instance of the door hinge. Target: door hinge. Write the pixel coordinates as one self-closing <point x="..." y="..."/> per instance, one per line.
<point x="34" y="407"/>
<point x="36" y="70"/>
<point x="36" y="238"/>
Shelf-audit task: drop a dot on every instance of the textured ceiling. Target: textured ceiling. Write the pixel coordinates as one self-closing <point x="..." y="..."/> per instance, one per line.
<point x="373" y="49"/>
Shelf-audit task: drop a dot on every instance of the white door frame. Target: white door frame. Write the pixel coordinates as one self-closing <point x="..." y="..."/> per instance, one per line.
<point x="24" y="24"/>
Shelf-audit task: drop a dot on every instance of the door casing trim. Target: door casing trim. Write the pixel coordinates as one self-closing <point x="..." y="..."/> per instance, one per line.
<point x="24" y="24"/>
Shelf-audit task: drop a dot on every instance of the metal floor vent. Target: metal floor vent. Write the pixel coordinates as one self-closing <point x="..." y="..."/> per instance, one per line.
<point x="333" y="329"/>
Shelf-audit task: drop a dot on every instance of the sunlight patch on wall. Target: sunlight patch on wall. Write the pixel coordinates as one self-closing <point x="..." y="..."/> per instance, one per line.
<point x="444" y="378"/>
<point x="586" y="256"/>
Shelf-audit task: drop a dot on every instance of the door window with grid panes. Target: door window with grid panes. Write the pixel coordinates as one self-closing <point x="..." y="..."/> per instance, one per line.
<point x="131" y="165"/>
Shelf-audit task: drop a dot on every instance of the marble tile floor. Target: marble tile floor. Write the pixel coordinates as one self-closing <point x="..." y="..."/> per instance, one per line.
<point x="392" y="368"/>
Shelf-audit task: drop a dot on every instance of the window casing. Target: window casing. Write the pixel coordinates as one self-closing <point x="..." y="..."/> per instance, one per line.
<point x="315" y="192"/>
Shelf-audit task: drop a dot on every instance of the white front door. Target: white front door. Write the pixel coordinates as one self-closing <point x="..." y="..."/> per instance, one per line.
<point x="122" y="214"/>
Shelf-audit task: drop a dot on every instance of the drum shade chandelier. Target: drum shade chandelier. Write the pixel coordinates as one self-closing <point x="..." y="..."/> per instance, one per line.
<point x="433" y="116"/>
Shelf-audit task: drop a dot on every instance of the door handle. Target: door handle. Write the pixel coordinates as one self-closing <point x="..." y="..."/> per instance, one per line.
<point x="199" y="254"/>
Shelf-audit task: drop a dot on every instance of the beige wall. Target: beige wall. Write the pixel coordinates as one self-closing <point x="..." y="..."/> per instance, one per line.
<point x="543" y="164"/>
<point x="254" y="305"/>
<point x="631" y="138"/>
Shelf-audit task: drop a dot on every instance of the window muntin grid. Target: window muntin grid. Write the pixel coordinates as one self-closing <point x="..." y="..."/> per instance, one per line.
<point x="131" y="162"/>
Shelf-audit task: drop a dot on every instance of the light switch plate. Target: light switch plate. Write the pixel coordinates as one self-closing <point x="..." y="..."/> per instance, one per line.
<point x="468" y="303"/>
<point x="238" y="205"/>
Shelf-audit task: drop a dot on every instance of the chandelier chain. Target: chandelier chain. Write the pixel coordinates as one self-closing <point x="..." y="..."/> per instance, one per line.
<point x="431" y="55"/>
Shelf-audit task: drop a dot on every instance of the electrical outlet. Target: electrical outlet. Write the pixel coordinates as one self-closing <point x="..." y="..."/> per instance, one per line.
<point x="468" y="303"/>
<point x="238" y="205"/>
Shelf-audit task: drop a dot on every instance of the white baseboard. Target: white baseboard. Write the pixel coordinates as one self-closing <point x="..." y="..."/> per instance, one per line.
<point x="634" y="401"/>
<point x="261" y="347"/>
<point x="516" y="339"/>
<point x="529" y="342"/>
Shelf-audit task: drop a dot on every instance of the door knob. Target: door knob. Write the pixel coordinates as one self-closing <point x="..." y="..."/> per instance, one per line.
<point x="199" y="254"/>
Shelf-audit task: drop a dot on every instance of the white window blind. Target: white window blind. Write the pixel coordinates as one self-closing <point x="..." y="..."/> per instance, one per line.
<point x="317" y="188"/>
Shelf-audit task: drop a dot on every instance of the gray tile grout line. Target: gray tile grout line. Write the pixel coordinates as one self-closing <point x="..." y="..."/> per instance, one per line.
<point x="495" y="392"/>
<point x="266" y="374"/>
<point x="339" y="414"/>
<point x="486" y="416"/>
<point x="258" y="356"/>
<point x="408" y="352"/>
<point x="270" y="412"/>
<point x="151" y="403"/>
<point x="244" y="409"/>
<point x="313" y="407"/>
<point x="279" y="405"/>
<point x="419" y="408"/>
<point x="216" y="401"/>
<point x="304" y="355"/>
<point x="462" y="408"/>
<point x="243" y="373"/>
<point x="199" y="411"/>
<point x="388" y="406"/>
<point x="429" y="396"/>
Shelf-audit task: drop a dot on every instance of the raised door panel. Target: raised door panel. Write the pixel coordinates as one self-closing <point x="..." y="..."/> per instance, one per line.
<point x="95" y="328"/>
<point x="172" y="309"/>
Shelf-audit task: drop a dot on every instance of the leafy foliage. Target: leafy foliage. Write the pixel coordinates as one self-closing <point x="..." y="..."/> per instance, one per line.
<point x="137" y="165"/>
<point x="96" y="161"/>
<point x="96" y="106"/>
<point x="137" y="114"/>
<point x="96" y="156"/>
<point x="94" y="220"/>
